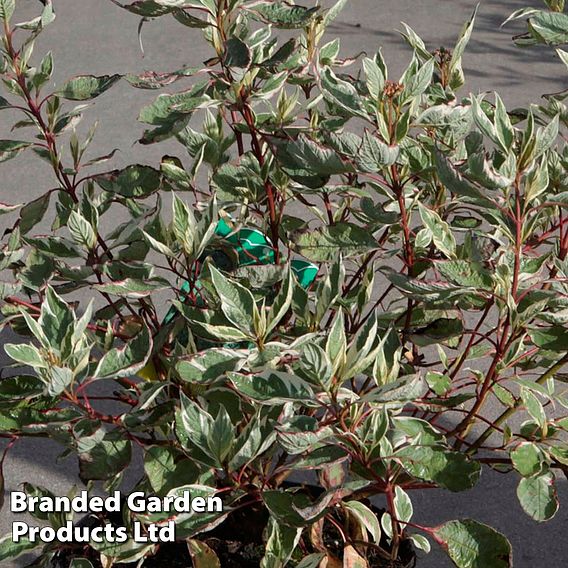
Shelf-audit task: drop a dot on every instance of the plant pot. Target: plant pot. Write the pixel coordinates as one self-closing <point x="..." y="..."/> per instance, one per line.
<point x="238" y="542"/>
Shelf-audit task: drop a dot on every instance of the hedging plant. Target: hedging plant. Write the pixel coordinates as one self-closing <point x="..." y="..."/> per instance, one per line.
<point x="430" y="346"/>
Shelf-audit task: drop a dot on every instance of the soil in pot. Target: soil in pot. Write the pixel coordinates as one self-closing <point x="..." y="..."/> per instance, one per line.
<point x="238" y="544"/>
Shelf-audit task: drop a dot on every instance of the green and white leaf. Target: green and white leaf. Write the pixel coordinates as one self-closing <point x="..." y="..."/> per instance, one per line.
<point x="237" y="303"/>
<point x="538" y="497"/>
<point x="474" y="545"/>
<point x="127" y="360"/>
<point x="86" y="87"/>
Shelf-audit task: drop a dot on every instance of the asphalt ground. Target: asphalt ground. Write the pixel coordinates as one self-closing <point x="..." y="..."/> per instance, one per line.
<point x="96" y="37"/>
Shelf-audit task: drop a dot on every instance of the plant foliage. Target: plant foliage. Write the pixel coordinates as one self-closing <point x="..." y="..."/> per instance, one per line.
<point x="436" y="219"/>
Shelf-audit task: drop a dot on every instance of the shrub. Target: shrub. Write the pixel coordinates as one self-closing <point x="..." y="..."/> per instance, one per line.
<point x="429" y="345"/>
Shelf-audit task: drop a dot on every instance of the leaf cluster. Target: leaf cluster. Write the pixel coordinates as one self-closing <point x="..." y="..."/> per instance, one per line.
<point x="335" y="277"/>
